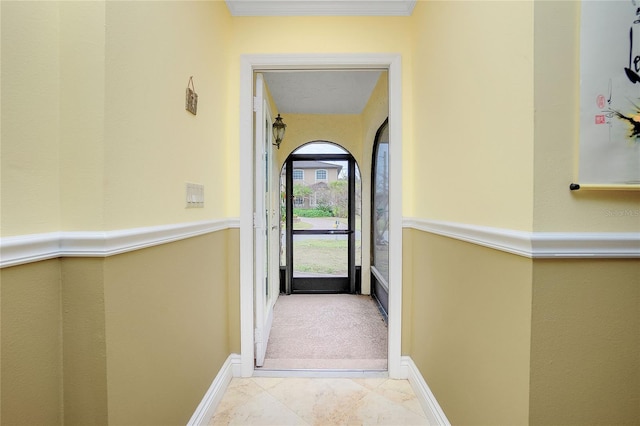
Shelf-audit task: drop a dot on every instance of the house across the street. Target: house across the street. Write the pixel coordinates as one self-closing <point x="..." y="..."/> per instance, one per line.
<point x="316" y="175"/>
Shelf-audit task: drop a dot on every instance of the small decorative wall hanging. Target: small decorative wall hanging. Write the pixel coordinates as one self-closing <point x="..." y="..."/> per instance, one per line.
<point x="191" y="101"/>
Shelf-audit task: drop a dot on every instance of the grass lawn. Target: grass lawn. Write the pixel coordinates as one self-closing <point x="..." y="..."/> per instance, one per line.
<point x="321" y="256"/>
<point x="326" y="255"/>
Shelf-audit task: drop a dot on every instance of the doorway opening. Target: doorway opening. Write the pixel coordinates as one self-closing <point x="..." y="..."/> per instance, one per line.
<point x="249" y="157"/>
<point x="321" y="235"/>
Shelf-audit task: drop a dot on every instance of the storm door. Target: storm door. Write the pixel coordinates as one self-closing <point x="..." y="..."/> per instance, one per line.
<point x="320" y="202"/>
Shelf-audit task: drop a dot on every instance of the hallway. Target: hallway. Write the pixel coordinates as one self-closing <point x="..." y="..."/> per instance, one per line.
<point x="327" y="331"/>
<point x="319" y="401"/>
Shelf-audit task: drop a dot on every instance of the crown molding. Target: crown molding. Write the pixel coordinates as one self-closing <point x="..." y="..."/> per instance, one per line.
<point x="537" y="245"/>
<point x="21" y="249"/>
<point x="321" y="7"/>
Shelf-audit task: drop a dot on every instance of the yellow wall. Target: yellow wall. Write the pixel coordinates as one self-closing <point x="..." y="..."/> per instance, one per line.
<point x="585" y="342"/>
<point x="31" y="344"/>
<point x="476" y="89"/>
<point x="84" y="355"/>
<point x="473" y="113"/>
<point x="557" y="97"/>
<point x="471" y="328"/>
<point x="342" y="129"/>
<point x="82" y="118"/>
<point x="95" y="137"/>
<point x="153" y="146"/>
<point x="108" y="145"/>
<point x="292" y="35"/>
<point x="30" y="177"/>
<point x="131" y="339"/>
<point x="167" y="328"/>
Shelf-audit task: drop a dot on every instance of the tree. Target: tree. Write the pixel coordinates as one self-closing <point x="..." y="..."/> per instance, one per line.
<point x="339" y="191"/>
<point x="301" y="191"/>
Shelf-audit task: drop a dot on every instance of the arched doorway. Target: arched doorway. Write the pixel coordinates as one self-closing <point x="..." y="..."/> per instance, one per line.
<point x="321" y="236"/>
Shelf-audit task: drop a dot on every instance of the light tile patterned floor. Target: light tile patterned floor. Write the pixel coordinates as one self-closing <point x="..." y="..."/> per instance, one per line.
<point x="319" y="401"/>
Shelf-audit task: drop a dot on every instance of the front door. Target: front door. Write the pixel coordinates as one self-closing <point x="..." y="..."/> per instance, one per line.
<point x="320" y="224"/>
<point x="266" y="221"/>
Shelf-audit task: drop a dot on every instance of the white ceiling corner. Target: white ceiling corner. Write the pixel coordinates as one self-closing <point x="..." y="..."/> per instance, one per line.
<point x="321" y="7"/>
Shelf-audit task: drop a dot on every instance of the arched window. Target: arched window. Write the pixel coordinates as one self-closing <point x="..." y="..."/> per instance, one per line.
<point x="380" y="215"/>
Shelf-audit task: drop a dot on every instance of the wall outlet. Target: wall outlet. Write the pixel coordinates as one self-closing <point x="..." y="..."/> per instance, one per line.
<point x="195" y="195"/>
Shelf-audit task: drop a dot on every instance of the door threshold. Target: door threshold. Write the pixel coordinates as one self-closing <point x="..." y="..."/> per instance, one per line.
<point x="323" y="373"/>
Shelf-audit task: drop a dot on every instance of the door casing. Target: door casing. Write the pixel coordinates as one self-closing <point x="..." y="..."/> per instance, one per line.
<point x="248" y="65"/>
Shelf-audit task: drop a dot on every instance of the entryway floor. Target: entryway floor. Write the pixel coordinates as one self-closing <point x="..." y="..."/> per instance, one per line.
<point x="327" y="331"/>
<point x="318" y="401"/>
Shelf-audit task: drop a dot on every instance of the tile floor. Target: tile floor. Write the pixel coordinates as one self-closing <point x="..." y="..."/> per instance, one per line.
<point x="319" y="401"/>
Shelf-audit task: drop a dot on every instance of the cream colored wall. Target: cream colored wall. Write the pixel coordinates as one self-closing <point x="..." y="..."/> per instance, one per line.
<point x="30" y="176"/>
<point x="293" y="35"/>
<point x="585" y="342"/>
<point x="471" y="328"/>
<point x="473" y="113"/>
<point x="342" y="129"/>
<point x="153" y="146"/>
<point x="82" y="117"/>
<point x="167" y="328"/>
<point x="557" y="97"/>
<point x="31" y="344"/>
<point x="93" y="99"/>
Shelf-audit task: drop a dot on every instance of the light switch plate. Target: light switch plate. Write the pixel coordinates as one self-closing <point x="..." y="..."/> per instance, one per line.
<point x="195" y="195"/>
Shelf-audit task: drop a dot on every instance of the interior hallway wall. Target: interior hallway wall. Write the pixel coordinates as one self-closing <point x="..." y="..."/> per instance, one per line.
<point x="470" y="307"/>
<point x="509" y="171"/>
<point x="586" y="312"/>
<point x="109" y="146"/>
<point x="31" y="344"/>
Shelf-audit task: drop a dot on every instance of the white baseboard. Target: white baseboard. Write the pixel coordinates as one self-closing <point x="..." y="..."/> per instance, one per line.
<point x="430" y="405"/>
<point x="208" y="405"/>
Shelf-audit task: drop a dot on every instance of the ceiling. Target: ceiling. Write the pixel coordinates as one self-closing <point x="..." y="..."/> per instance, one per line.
<point x="321" y="7"/>
<point x="321" y="92"/>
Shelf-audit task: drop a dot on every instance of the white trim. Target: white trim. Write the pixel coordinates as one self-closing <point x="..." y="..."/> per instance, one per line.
<point x="382" y="280"/>
<point x="21" y="249"/>
<point x="537" y="245"/>
<point x="321" y="7"/>
<point x="207" y="407"/>
<point x="251" y="63"/>
<point x="430" y="405"/>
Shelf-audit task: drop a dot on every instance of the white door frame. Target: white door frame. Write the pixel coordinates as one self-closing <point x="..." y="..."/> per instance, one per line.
<point x="251" y="63"/>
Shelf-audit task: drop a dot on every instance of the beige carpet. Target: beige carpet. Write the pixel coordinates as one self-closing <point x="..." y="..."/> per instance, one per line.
<point x="332" y="331"/>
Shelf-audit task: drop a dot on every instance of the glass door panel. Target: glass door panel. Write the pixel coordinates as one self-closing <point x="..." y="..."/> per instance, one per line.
<point x="320" y="256"/>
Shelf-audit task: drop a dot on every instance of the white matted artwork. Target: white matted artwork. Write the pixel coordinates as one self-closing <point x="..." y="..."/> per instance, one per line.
<point x="610" y="93"/>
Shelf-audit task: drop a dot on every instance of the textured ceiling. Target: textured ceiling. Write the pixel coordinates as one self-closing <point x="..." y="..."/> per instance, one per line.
<point x="321" y="92"/>
<point x="321" y="7"/>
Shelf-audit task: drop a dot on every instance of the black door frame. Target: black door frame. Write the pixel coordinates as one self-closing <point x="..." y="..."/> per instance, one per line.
<point x="321" y="284"/>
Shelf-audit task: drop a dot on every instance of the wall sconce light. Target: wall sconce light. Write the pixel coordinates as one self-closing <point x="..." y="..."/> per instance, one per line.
<point x="278" y="131"/>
